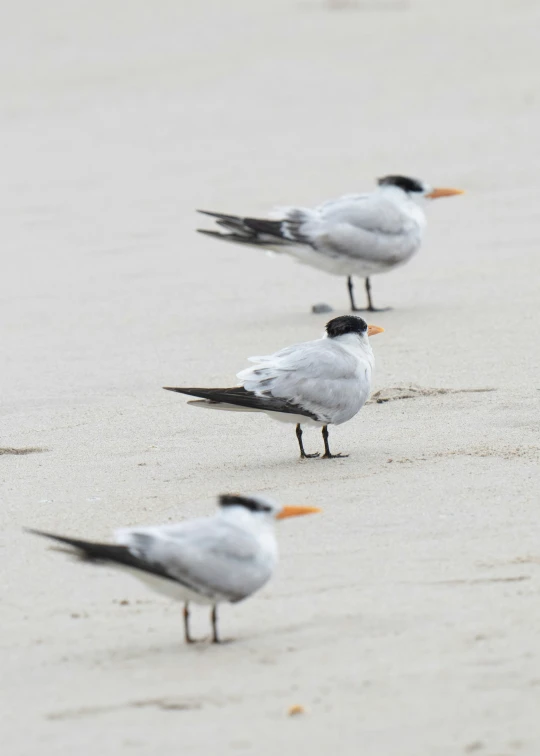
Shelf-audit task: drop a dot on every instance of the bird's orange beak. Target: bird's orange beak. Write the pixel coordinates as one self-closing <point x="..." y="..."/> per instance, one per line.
<point x="296" y="511"/>
<point x="444" y="193"/>
<point x="373" y="330"/>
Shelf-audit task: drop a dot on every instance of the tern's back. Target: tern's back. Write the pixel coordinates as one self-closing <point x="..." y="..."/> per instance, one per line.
<point x="330" y="378"/>
<point x="199" y="555"/>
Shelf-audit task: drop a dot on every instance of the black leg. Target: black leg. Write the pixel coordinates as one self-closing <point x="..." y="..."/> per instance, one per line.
<point x="303" y="455"/>
<point x="327" y="454"/>
<point x="215" y="637"/>
<point x="350" y="287"/>
<point x="370" y="307"/>
<point x="187" y="636"/>
<point x="368" y="292"/>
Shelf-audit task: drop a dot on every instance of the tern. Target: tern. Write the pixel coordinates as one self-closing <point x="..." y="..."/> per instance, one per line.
<point x="317" y="383"/>
<point x="354" y="235"/>
<point x="210" y="560"/>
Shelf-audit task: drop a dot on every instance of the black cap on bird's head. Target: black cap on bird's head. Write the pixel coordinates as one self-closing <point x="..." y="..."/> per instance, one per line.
<point x="408" y="185"/>
<point x="350" y="324"/>
<point x="261" y="504"/>
<point x="345" y="324"/>
<point x="253" y="504"/>
<point x="416" y="188"/>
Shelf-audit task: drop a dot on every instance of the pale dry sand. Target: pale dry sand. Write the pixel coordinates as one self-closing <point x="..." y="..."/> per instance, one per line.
<point x="405" y="618"/>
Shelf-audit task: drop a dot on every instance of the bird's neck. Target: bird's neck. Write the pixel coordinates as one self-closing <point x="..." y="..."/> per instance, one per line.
<point x="355" y="345"/>
<point x="352" y="341"/>
<point x="260" y="527"/>
<point x="243" y="518"/>
<point x="411" y="206"/>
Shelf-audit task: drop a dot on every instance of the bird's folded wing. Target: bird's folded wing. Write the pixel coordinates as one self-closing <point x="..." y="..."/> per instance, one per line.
<point x="106" y="552"/>
<point x="369" y="213"/>
<point x="321" y="360"/>
<point x="241" y="397"/>
<point x="364" y="229"/>
<point x="211" y="558"/>
<point x="318" y="376"/>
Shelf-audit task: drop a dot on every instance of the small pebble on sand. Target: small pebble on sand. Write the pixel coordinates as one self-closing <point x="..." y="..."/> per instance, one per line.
<point x="320" y="308"/>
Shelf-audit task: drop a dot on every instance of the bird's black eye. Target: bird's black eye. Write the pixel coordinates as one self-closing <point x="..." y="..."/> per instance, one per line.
<point x="403" y="182"/>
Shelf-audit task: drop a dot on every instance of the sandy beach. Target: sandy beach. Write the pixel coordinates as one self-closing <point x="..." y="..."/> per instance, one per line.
<point x="404" y="618"/>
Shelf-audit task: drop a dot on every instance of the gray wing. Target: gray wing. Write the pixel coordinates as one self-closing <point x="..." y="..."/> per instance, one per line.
<point x="365" y="227"/>
<point x="238" y="396"/>
<point x="354" y="225"/>
<point x="367" y="212"/>
<point x="210" y="556"/>
<point x="320" y="376"/>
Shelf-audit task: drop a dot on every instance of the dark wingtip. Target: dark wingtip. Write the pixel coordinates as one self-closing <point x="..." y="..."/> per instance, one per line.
<point x="208" y="232"/>
<point x="52" y="536"/>
<point x="43" y="533"/>
<point x="172" y="388"/>
<point x="212" y="214"/>
<point x="34" y="531"/>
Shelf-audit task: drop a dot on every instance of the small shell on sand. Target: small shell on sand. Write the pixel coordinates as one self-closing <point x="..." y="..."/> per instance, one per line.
<point x="295" y="710"/>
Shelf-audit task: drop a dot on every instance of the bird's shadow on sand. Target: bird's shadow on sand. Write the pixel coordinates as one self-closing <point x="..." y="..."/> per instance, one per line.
<point x="294" y="461"/>
<point x="202" y="646"/>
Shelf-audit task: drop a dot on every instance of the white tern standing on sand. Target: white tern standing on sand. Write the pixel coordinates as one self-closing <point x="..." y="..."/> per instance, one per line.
<point x="316" y="383"/>
<point x="355" y="235"/>
<point x="211" y="560"/>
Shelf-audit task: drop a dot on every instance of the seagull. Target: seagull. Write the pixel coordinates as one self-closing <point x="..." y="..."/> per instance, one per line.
<point x="317" y="383"/>
<point x="210" y="560"/>
<point x="355" y="235"/>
